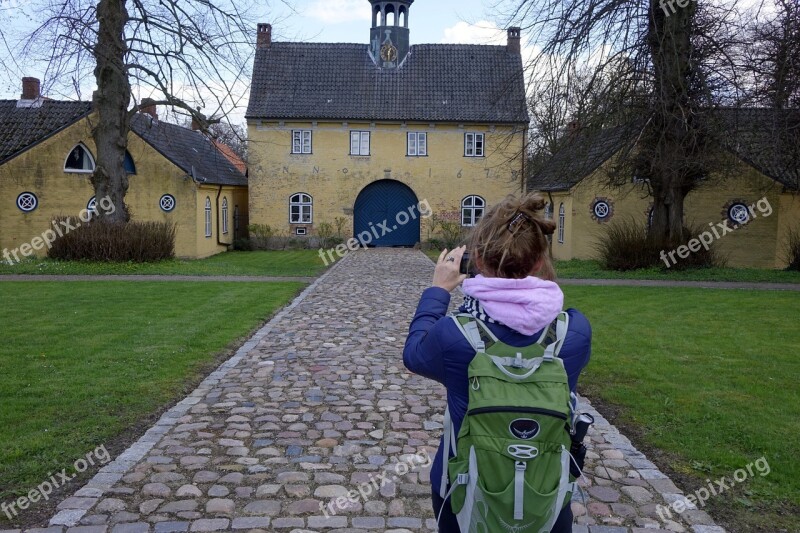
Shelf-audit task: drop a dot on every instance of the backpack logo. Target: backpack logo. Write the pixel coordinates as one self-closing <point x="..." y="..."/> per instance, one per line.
<point x="524" y="428"/>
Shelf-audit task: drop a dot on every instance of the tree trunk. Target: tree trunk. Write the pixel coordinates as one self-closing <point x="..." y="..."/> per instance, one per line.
<point x="671" y="142"/>
<point x="110" y="100"/>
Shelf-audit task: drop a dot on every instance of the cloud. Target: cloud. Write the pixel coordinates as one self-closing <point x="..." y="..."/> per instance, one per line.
<point x="338" y="11"/>
<point x="482" y="32"/>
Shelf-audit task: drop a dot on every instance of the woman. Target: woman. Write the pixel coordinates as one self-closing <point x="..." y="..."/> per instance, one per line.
<point x="515" y="296"/>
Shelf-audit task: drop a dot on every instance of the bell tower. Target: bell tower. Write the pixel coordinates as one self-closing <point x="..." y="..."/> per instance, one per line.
<point x="389" y="37"/>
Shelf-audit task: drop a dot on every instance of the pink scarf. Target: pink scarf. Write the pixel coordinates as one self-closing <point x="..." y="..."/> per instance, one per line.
<point x="525" y="305"/>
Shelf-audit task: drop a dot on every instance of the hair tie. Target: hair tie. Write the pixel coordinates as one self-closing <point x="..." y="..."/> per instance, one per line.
<point x="518" y="219"/>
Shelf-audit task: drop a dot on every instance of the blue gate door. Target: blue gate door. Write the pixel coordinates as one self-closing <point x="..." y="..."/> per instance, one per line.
<point x="387" y="208"/>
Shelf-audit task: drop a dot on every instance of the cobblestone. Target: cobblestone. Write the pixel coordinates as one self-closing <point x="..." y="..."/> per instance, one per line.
<point x="312" y="409"/>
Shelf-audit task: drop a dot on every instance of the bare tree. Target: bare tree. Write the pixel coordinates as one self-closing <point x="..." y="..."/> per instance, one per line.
<point x="671" y="66"/>
<point x="187" y="54"/>
<point x="773" y="60"/>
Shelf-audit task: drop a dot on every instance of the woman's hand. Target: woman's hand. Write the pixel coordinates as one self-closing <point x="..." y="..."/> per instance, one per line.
<point x="447" y="275"/>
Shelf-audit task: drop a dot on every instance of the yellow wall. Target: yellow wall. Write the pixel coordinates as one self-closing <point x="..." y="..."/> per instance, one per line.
<point x="40" y="170"/>
<point x="788" y="220"/>
<point x="755" y="244"/>
<point x="334" y="178"/>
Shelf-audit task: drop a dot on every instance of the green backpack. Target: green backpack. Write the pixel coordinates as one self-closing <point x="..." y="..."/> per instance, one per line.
<point x="511" y="469"/>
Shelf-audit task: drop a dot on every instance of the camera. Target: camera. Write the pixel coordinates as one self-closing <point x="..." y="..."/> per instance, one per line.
<point x="463" y="268"/>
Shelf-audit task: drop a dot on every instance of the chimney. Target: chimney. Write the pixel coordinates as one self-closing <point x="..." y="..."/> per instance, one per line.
<point x="513" y="46"/>
<point x="148" y="107"/>
<point x="264" y="36"/>
<point x="31" y="88"/>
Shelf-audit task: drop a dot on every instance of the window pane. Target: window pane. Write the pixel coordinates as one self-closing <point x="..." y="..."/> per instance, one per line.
<point x="467" y="201"/>
<point x="412" y="144"/>
<point x="423" y="144"/>
<point x="364" y="143"/>
<point x="479" y="202"/>
<point x="469" y="150"/>
<point x="354" y="143"/>
<point x="478" y="213"/>
<point x="479" y="144"/>
<point x="306" y="142"/>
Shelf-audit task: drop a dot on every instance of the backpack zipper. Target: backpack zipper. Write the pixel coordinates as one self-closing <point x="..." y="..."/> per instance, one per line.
<point x="512" y="409"/>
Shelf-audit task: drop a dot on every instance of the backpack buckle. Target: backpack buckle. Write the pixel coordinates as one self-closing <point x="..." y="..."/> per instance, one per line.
<point x="518" y="361"/>
<point x="462" y="479"/>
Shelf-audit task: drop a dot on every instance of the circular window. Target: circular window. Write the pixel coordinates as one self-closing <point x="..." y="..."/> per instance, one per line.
<point x="27" y="202"/>
<point x="602" y="209"/>
<point x="167" y="203"/>
<point x="738" y="213"/>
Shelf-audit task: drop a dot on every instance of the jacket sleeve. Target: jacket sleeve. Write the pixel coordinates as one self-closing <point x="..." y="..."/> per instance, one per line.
<point x="423" y="351"/>
<point x="577" y="348"/>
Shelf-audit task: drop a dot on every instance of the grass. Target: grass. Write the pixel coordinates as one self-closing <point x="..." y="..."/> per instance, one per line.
<point x="590" y="269"/>
<point x="85" y="361"/>
<point x="259" y="263"/>
<point x="709" y="378"/>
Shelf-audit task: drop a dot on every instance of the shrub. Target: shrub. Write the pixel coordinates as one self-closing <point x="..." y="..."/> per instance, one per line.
<point x="451" y="233"/>
<point x="340" y="223"/>
<point x="791" y="249"/>
<point x="626" y="245"/>
<point x="99" y="240"/>
<point x="260" y="235"/>
<point x="243" y="244"/>
<point x="325" y="234"/>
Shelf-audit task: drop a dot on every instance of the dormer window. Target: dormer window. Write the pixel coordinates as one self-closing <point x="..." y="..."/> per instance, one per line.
<point x="79" y="160"/>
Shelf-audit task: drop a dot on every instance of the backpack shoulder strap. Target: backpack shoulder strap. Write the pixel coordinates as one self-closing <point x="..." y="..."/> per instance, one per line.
<point x="553" y="337"/>
<point x="475" y="331"/>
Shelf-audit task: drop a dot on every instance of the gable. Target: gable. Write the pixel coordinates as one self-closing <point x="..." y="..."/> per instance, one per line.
<point x="21" y="128"/>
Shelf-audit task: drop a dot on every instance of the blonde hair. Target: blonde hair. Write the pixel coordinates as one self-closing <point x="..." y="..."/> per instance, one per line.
<point x="511" y="238"/>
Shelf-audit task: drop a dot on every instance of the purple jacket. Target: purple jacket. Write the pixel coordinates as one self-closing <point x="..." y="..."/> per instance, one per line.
<point x="436" y="349"/>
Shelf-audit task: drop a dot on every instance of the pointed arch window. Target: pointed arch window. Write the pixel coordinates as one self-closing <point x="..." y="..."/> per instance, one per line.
<point x="225" y="215"/>
<point x="80" y="159"/>
<point x="208" y="216"/>
<point x="130" y="166"/>
<point x="562" y="217"/>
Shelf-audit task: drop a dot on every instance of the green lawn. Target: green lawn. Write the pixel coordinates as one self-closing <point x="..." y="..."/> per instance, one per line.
<point x="260" y="263"/>
<point x="82" y="362"/>
<point x="711" y="378"/>
<point x="588" y="269"/>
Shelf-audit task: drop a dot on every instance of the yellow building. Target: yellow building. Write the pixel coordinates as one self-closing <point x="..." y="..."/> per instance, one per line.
<point x="757" y="200"/>
<point x="177" y="175"/>
<point x="370" y="134"/>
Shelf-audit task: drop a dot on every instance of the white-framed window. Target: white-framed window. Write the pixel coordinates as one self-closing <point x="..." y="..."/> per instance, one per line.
<point x="167" y="203"/>
<point x="562" y="217"/>
<point x="27" y="202"/>
<point x="301" y="207"/>
<point x="80" y="159"/>
<point x="208" y="217"/>
<point x="472" y="210"/>
<point x="417" y="143"/>
<point x="359" y="143"/>
<point x="225" y="215"/>
<point x="473" y="144"/>
<point x="300" y="231"/>
<point x="301" y="141"/>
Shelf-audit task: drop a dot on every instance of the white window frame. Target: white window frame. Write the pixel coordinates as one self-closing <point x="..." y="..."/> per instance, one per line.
<point x="417" y="144"/>
<point x="80" y="170"/>
<point x="303" y="201"/>
<point x="562" y="220"/>
<point x="301" y="141"/>
<point x="470" y="205"/>
<point x="360" y="140"/>
<point x="209" y="228"/>
<point x="471" y="141"/>
<point x="224" y="215"/>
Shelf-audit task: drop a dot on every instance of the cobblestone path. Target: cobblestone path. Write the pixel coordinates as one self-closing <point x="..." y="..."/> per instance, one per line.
<point x="317" y="404"/>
